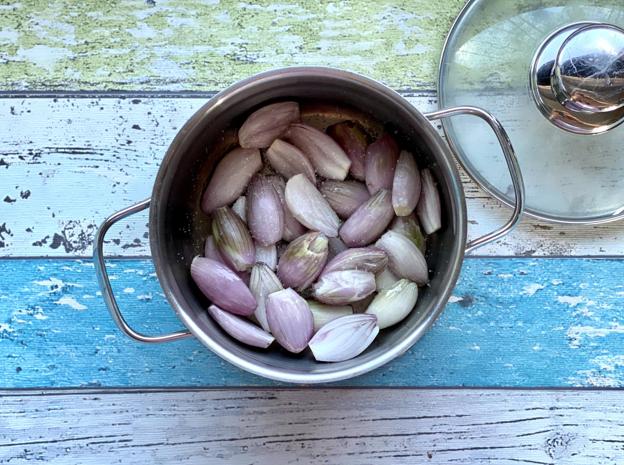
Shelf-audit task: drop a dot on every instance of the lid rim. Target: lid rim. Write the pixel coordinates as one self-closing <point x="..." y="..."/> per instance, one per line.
<point x="531" y="212"/>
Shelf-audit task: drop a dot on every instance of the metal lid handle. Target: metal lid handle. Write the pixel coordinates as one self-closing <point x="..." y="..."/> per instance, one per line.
<point x="589" y="69"/>
<point x="577" y="77"/>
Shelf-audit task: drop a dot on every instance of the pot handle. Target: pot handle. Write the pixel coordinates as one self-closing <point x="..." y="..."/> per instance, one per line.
<point x="104" y="281"/>
<point x="512" y="165"/>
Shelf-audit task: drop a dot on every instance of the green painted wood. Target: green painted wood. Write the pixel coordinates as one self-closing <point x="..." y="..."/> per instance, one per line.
<point x="207" y="45"/>
<point x="510" y="322"/>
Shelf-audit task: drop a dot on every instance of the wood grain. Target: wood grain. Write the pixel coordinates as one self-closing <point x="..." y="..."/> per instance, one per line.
<point x="67" y="163"/>
<point x="510" y="322"/>
<point x="83" y="149"/>
<point x="197" y="45"/>
<point x="343" y="426"/>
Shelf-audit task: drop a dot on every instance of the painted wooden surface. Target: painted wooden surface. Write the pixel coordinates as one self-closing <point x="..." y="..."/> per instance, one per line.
<point x="91" y="93"/>
<point x="342" y="426"/>
<point x="510" y="322"/>
<point x="59" y="178"/>
<point x="204" y="45"/>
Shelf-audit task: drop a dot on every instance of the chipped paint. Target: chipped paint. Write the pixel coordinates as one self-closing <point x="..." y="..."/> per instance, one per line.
<point x="70" y="302"/>
<point x="563" y="317"/>
<point x="5" y="328"/>
<point x="609" y="362"/>
<point x="492" y="334"/>
<point x="572" y="301"/>
<point x="103" y="174"/>
<point x="531" y="289"/>
<point x="577" y="334"/>
<point x="52" y="283"/>
<point x="145" y="297"/>
<point x="607" y="372"/>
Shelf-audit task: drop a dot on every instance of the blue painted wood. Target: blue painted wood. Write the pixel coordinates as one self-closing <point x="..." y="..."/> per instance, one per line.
<point x="511" y="322"/>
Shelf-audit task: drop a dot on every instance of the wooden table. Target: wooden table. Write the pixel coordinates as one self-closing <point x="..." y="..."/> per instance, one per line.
<point x="93" y="92"/>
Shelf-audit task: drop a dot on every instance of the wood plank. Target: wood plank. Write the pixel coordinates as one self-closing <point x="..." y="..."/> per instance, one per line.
<point x="59" y="178"/>
<point x="313" y="427"/>
<point x="196" y="45"/>
<point x="510" y="322"/>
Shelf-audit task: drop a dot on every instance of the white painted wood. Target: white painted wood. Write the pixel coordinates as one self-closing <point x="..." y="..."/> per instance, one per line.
<point x="67" y="163"/>
<point x="339" y="426"/>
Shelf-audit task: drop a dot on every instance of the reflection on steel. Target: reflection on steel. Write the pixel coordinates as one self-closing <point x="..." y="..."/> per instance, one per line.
<point x="577" y="77"/>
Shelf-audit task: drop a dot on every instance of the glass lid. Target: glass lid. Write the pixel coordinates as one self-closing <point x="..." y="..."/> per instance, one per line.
<point x="552" y="72"/>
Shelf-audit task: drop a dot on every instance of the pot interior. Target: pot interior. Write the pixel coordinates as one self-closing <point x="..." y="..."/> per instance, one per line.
<point x="178" y="227"/>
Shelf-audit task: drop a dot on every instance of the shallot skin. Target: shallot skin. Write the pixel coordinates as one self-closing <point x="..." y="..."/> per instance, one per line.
<point x="318" y="232"/>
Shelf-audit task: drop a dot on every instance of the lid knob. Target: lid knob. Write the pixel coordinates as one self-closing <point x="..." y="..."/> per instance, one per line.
<point x="589" y="69"/>
<point x="577" y="77"/>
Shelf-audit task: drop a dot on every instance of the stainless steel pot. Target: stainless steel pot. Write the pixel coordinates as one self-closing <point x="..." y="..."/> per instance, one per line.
<point x="178" y="228"/>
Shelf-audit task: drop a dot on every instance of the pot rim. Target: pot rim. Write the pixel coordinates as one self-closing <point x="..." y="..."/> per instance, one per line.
<point x="445" y="162"/>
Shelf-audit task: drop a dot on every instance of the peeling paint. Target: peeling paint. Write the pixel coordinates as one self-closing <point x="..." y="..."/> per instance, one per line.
<point x="502" y="337"/>
<point x="531" y="289"/>
<point x="145" y="297"/>
<point x="133" y="45"/>
<point x="609" y="362"/>
<point x="572" y="301"/>
<point x="101" y="174"/>
<point x="5" y="328"/>
<point x="577" y="334"/>
<point x="70" y="302"/>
